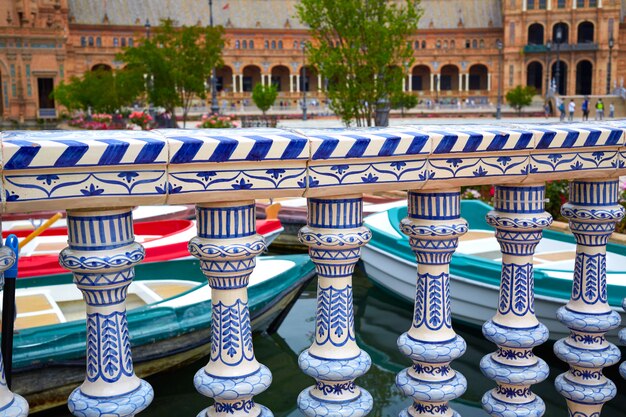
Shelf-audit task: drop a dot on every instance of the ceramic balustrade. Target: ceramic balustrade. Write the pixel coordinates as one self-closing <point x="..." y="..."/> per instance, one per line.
<point x="85" y="172"/>
<point x="101" y="254"/>
<point x="11" y="404"/>
<point x="335" y="234"/>
<point x="519" y="219"/>
<point x="434" y="225"/>
<point x="227" y="246"/>
<point x="593" y="211"/>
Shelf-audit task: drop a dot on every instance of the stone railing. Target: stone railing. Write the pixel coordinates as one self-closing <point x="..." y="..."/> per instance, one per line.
<point x="98" y="176"/>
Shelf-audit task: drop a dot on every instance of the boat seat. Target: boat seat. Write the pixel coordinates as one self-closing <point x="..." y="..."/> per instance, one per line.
<point x="168" y="290"/>
<point x="475" y="235"/>
<point x="25" y="322"/>
<point x="556" y="256"/>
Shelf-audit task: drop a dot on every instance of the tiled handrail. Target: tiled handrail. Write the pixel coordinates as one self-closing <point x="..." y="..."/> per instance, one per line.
<point x="190" y="166"/>
<point x="223" y="171"/>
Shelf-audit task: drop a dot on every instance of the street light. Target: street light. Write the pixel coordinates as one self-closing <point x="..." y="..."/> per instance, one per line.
<point x="304" y="106"/>
<point x="215" y="108"/>
<point x="559" y="36"/>
<point x="500" y="47"/>
<point x="147" y="26"/>
<point x="548" y="69"/>
<point x="608" y="72"/>
<point x="148" y="81"/>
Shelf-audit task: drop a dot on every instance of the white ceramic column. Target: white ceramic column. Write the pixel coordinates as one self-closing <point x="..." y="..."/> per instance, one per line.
<point x="11" y="404"/>
<point x="460" y="82"/>
<point x="434" y="225"/>
<point x="241" y="83"/>
<point x="519" y="219"/>
<point x="593" y="211"/>
<point x="291" y="83"/>
<point x="234" y="83"/>
<point x="432" y="82"/>
<point x="298" y="83"/>
<point x="101" y="254"/>
<point x="227" y="246"/>
<point x="334" y="234"/>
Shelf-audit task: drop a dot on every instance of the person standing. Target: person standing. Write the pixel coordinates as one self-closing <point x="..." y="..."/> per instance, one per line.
<point x="585" y="108"/>
<point x="562" y="110"/>
<point x="611" y="110"/>
<point x="599" y="110"/>
<point x="571" y="109"/>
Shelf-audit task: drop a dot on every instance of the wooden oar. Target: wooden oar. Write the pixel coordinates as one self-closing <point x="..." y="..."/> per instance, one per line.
<point x="8" y="310"/>
<point x="40" y="229"/>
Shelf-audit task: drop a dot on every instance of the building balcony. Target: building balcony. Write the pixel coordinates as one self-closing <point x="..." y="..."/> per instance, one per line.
<point x="564" y="47"/>
<point x="98" y="176"/>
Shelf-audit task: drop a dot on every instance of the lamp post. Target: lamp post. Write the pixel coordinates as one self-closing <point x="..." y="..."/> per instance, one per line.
<point x="608" y="71"/>
<point x="500" y="47"/>
<point x="147" y="26"/>
<point x="304" y="85"/>
<point x="559" y="36"/>
<point x="548" y="78"/>
<point x="215" y="108"/>
<point x="148" y="80"/>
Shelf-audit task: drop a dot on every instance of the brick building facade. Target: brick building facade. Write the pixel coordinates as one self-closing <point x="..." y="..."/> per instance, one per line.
<point x="456" y="47"/>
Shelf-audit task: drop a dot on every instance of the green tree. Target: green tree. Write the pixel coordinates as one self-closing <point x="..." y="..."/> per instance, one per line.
<point x="356" y="46"/>
<point x="101" y="91"/>
<point x="264" y="96"/>
<point x="520" y="97"/>
<point x="403" y="102"/>
<point x="177" y="62"/>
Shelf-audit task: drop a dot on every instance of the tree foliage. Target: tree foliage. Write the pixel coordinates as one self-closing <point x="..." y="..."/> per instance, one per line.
<point x="264" y="96"/>
<point x="178" y="62"/>
<point x="101" y="91"/>
<point x="360" y="46"/>
<point x="404" y="101"/>
<point x="520" y="97"/>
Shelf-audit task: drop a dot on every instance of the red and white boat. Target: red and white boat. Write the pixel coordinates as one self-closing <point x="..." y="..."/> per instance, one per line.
<point x="163" y="240"/>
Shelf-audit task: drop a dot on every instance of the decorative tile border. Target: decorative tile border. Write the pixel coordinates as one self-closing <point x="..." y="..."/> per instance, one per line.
<point x="73" y="169"/>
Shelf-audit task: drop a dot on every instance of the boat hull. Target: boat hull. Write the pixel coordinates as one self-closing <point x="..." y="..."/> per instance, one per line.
<point x="472" y="302"/>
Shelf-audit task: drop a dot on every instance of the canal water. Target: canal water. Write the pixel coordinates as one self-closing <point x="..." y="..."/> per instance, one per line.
<point x="379" y="319"/>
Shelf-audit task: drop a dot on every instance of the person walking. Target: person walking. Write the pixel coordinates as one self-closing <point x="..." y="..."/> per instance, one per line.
<point x="599" y="110"/>
<point x="611" y="110"/>
<point x="571" y="109"/>
<point x="562" y="110"/>
<point x="546" y="109"/>
<point x="585" y="108"/>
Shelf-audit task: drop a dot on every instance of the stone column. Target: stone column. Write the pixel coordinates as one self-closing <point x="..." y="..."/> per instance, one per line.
<point x="403" y="84"/>
<point x="519" y="219"/>
<point x="432" y="82"/>
<point x="489" y="82"/>
<point x="592" y="211"/>
<point x="433" y="225"/>
<point x="234" y="83"/>
<point x="227" y="246"/>
<point x="298" y="83"/>
<point x="11" y="405"/>
<point x="291" y="83"/>
<point x="334" y="234"/>
<point x="101" y="254"/>
<point x="241" y="83"/>
<point x="460" y="82"/>
<point x="319" y="83"/>
<point x="467" y="76"/>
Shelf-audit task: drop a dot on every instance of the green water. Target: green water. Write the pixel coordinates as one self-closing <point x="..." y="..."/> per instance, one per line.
<point x="379" y="320"/>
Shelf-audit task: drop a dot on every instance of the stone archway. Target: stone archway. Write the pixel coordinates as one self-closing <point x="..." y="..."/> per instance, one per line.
<point x="534" y="75"/>
<point x="251" y="77"/>
<point x="449" y="78"/>
<point x="280" y="77"/>
<point x="224" y="78"/>
<point x="562" y="82"/>
<point x="420" y="78"/>
<point x="535" y="34"/>
<point x="584" y="77"/>
<point x="478" y="77"/>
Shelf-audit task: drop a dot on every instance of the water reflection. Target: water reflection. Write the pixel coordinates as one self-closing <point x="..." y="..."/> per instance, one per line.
<point x="380" y="319"/>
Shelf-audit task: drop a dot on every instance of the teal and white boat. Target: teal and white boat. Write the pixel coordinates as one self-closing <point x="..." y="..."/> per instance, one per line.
<point x="169" y="318"/>
<point x="476" y="265"/>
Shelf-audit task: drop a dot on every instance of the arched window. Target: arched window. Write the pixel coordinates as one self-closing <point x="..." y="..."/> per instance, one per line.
<point x="237" y="45"/>
<point x="417" y="45"/>
<point x="98" y="41"/>
<point x="585" y="32"/>
<point x="123" y="42"/>
<point x="83" y="41"/>
<point x="423" y="44"/>
<point x="116" y="42"/>
<point x="267" y="44"/>
<point x="482" y="43"/>
<point x="251" y="44"/>
<point x="535" y="34"/>
<point x="91" y="41"/>
<point x="244" y="44"/>
<point x="474" y="43"/>
<point x="273" y="44"/>
<point x="452" y="44"/>
<point x="468" y="44"/>
<point x="560" y="33"/>
<point x="280" y="44"/>
<point x="445" y="44"/>
<point x="130" y="42"/>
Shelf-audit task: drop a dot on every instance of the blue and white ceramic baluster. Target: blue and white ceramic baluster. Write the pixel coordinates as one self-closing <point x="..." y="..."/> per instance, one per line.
<point x="227" y="246"/>
<point x="335" y="234"/>
<point x="592" y="211"/>
<point x="519" y="219"/>
<point x="434" y="225"/>
<point x="101" y="254"/>
<point x="11" y="405"/>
